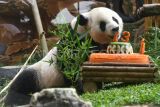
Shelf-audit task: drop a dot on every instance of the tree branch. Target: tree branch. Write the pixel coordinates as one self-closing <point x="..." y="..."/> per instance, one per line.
<point x="145" y="11"/>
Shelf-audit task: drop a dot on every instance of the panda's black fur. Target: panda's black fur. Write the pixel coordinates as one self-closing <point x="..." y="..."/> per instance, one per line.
<point x="27" y="82"/>
<point x="102" y="24"/>
<point x="37" y="77"/>
<point x="42" y="75"/>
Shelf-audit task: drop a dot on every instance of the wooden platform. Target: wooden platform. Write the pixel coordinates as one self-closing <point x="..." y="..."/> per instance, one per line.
<point x="118" y="72"/>
<point x="93" y="73"/>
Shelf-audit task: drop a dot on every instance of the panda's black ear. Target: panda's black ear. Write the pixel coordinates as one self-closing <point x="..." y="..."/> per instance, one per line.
<point x="82" y="20"/>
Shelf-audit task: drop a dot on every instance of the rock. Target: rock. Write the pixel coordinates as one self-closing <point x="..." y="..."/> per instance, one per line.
<point x="57" y="97"/>
<point x="20" y="46"/>
<point x="9" y="71"/>
<point x="4" y="59"/>
<point x="2" y="48"/>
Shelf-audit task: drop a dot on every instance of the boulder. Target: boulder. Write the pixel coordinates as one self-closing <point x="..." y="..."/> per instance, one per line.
<point x="57" y="97"/>
<point x="9" y="71"/>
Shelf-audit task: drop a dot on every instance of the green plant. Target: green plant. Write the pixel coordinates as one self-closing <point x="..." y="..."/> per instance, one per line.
<point x="3" y="82"/>
<point x="35" y="57"/>
<point x="147" y="93"/>
<point x="152" y="40"/>
<point x="130" y="95"/>
<point x="72" y="51"/>
<point x="1" y="64"/>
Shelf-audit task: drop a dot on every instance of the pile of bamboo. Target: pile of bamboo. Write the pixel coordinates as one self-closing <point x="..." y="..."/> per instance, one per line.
<point x="118" y="72"/>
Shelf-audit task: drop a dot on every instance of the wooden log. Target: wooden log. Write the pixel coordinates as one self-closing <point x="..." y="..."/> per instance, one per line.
<point x="144" y="11"/>
<point x="118" y="79"/>
<point x="117" y="64"/>
<point x="118" y="69"/>
<point x="118" y="74"/>
<point x="149" y="10"/>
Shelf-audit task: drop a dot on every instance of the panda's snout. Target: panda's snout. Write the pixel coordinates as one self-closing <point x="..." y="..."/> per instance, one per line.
<point x="115" y="29"/>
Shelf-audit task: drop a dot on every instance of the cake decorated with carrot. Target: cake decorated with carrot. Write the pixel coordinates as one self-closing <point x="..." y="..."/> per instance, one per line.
<point x="121" y="52"/>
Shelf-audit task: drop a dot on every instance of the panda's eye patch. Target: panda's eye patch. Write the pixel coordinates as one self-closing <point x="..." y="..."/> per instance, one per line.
<point x="114" y="19"/>
<point x="102" y="26"/>
<point x="82" y="20"/>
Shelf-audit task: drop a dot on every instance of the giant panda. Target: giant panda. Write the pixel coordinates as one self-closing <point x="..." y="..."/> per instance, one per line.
<point x="102" y="23"/>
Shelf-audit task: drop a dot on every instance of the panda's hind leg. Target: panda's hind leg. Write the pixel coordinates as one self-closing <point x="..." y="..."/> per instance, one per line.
<point x="20" y="91"/>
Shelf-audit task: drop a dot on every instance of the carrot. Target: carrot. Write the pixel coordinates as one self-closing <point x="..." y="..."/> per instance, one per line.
<point x="142" y="48"/>
<point x="115" y="39"/>
<point x="125" y="36"/>
<point x="121" y="58"/>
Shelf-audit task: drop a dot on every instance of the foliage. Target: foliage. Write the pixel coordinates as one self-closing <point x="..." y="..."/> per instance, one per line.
<point x="1" y="64"/>
<point x="3" y="83"/>
<point x="72" y="51"/>
<point x="152" y="40"/>
<point x="138" y="94"/>
<point x="36" y="56"/>
<point x="116" y="97"/>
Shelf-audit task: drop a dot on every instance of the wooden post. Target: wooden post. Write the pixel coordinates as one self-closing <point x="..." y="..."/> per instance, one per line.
<point x="157" y="18"/>
<point x="39" y="27"/>
<point x="148" y="20"/>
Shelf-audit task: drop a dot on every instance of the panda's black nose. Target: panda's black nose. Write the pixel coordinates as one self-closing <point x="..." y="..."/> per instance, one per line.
<point x="115" y="29"/>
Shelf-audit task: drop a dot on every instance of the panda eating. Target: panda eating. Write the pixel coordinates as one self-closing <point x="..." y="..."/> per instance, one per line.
<point x="102" y="24"/>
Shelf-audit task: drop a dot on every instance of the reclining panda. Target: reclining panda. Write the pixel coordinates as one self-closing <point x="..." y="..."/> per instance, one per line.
<point x="102" y="23"/>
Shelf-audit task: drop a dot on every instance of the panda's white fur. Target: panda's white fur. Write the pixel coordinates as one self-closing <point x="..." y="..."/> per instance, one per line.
<point x="94" y="17"/>
<point x="50" y="75"/>
<point x="40" y="75"/>
<point x="43" y="75"/>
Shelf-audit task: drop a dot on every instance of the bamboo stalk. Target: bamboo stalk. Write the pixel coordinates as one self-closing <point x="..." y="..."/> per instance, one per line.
<point x="118" y="69"/>
<point x="39" y="26"/>
<point x="118" y="74"/>
<point x="117" y="79"/>
<point x="20" y="71"/>
<point x="117" y="64"/>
